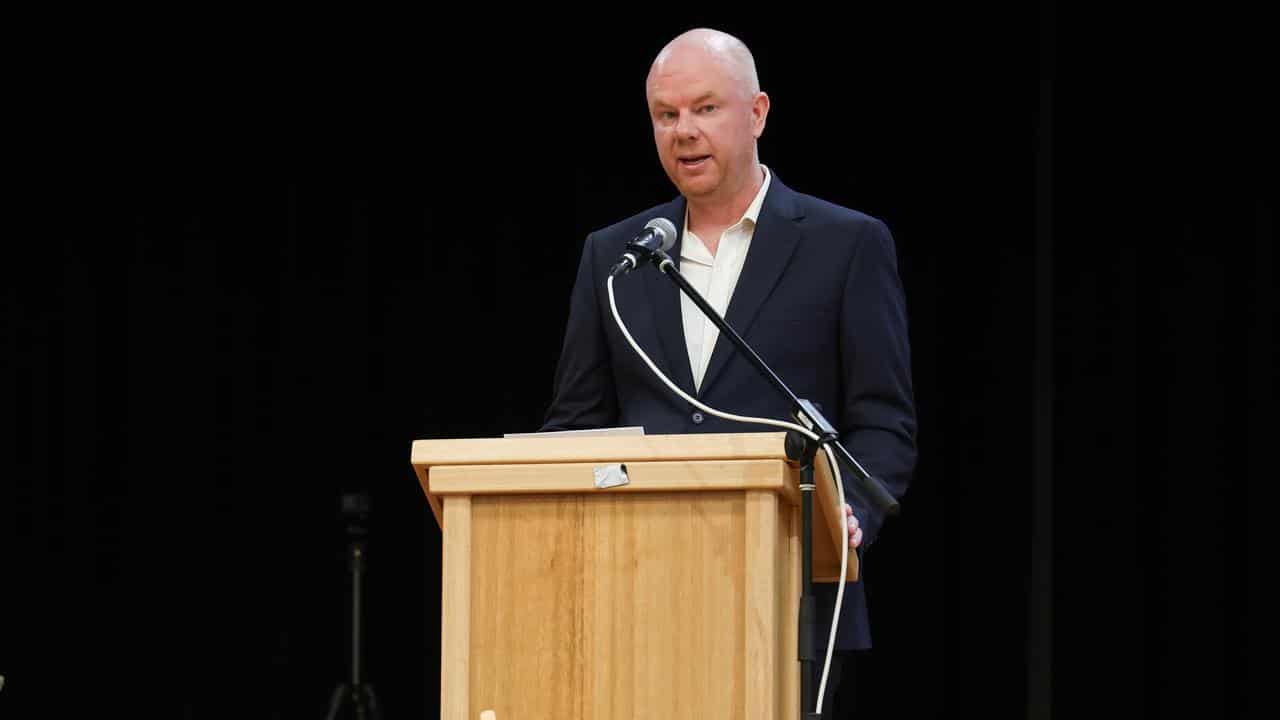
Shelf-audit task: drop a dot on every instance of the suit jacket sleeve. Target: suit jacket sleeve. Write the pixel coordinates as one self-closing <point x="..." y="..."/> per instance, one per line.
<point x="583" y="395"/>
<point x="878" y="420"/>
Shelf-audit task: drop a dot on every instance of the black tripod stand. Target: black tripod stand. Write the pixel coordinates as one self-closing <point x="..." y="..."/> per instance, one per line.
<point x="355" y="512"/>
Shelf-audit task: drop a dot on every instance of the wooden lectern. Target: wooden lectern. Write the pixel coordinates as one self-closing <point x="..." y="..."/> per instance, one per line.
<point x="674" y="595"/>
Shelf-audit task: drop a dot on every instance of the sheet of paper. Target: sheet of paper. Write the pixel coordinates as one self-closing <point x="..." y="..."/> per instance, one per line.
<point x="567" y="433"/>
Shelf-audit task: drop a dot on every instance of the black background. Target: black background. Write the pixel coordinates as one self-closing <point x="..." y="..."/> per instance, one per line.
<point x="260" y="263"/>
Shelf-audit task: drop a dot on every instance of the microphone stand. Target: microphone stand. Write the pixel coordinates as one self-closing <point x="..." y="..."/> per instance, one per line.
<point x="359" y="693"/>
<point x="799" y="448"/>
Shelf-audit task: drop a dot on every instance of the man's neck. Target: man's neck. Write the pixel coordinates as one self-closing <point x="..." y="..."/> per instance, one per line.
<point x="718" y="213"/>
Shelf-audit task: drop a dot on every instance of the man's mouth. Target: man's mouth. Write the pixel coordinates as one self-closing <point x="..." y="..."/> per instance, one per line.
<point x="693" y="160"/>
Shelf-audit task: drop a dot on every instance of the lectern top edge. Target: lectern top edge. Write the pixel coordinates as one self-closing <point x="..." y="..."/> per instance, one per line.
<point x="498" y="451"/>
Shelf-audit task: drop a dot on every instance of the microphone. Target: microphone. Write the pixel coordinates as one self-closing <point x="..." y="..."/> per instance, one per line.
<point x="659" y="236"/>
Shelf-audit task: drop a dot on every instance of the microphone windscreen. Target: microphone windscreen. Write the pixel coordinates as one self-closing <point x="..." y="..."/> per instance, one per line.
<point x="667" y="229"/>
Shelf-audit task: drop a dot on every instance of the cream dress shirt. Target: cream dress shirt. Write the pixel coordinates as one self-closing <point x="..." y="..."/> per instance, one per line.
<point x="714" y="277"/>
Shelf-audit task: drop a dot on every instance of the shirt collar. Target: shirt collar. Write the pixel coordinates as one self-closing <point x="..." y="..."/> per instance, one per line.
<point x="687" y="251"/>
<point x="753" y="210"/>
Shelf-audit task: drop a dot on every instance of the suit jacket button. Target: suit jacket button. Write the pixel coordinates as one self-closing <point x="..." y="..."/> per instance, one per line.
<point x="697" y="418"/>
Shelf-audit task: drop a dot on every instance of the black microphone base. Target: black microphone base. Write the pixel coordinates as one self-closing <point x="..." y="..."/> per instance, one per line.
<point x="623" y="266"/>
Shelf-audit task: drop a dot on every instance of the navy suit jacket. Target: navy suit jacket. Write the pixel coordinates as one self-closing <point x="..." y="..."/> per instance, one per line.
<point x="818" y="298"/>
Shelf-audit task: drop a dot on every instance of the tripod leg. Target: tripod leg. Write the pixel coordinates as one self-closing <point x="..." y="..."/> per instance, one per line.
<point x="335" y="702"/>
<point x="370" y="700"/>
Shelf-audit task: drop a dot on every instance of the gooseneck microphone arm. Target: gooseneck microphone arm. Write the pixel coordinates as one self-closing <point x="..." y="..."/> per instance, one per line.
<point x="803" y="410"/>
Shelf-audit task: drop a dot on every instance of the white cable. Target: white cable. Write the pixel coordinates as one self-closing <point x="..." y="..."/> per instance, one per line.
<point x="844" y="572"/>
<point x="613" y="305"/>
<point x="831" y="462"/>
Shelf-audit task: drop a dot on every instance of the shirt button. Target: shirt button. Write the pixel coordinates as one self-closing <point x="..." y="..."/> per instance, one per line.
<point x="697" y="418"/>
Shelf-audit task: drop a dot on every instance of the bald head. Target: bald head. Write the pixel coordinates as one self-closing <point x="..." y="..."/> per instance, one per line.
<point x="728" y="52"/>
<point x="708" y="112"/>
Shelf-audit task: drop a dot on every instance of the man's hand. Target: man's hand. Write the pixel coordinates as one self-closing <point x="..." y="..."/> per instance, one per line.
<point x="855" y="532"/>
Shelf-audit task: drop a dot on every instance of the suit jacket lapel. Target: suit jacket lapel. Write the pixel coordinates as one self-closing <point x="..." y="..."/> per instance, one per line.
<point x="772" y="244"/>
<point x="664" y="298"/>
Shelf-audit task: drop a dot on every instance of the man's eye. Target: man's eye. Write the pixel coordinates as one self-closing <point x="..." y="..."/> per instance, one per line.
<point x="706" y="109"/>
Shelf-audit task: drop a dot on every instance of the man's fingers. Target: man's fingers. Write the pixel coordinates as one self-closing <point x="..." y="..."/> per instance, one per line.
<point x="850" y="519"/>
<point x="851" y="522"/>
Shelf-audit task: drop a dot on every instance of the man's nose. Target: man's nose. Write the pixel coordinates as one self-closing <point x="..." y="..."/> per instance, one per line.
<point x="686" y="128"/>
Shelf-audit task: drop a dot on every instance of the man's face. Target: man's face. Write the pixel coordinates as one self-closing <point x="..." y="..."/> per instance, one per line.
<point x="705" y="124"/>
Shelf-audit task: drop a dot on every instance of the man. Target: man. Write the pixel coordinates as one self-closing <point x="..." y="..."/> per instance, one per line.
<point x="811" y="286"/>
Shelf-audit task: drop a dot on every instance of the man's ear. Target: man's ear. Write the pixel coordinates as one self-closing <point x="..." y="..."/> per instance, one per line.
<point x="759" y="113"/>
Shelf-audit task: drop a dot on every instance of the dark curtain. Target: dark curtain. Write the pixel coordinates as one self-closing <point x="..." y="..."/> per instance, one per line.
<point x="257" y="270"/>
